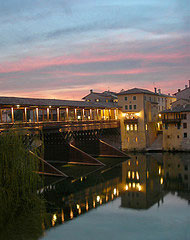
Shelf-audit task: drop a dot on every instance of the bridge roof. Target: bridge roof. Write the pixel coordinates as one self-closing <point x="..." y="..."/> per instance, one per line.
<point x="12" y="101"/>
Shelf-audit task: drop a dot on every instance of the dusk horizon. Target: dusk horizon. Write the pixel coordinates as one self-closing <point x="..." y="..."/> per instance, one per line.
<point x="63" y="49"/>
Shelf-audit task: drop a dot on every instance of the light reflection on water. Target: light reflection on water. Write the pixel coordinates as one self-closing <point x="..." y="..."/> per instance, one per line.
<point x="146" y="197"/>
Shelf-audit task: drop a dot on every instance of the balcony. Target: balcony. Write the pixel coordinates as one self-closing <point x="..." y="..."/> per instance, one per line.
<point x="131" y="121"/>
<point x="171" y="121"/>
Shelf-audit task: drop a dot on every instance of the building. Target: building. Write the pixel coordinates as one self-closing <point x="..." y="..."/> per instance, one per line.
<point x="104" y="97"/>
<point x="142" y="176"/>
<point x="139" y="120"/>
<point x="184" y="93"/>
<point x="176" y="128"/>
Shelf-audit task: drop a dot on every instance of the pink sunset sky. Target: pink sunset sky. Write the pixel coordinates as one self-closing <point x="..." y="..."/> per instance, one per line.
<point x="62" y="49"/>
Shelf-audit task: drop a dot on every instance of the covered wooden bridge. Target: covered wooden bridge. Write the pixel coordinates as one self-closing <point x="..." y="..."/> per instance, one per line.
<point x="31" y="112"/>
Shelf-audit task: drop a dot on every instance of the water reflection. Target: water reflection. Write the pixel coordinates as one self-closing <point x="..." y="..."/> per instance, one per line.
<point x="140" y="182"/>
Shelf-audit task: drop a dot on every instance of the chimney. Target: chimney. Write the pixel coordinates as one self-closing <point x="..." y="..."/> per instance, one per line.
<point x="185" y="86"/>
<point x="159" y="91"/>
<point x="91" y="90"/>
<point x="179" y="90"/>
<point x="155" y="90"/>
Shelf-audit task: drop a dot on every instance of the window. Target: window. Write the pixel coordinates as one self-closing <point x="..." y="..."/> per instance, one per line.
<point x="131" y="127"/>
<point x="145" y="98"/>
<point x="135" y="106"/>
<point x="134" y="97"/>
<point x="125" y="98"/>
<point x="146" y="127"/>
<point x="168" y="136"/>
<point x="150" y="98"/>
<point x="184" y="125"/>
<point x="130" y="107"/>
<point x="166" y="126"/>
<point x="135" y="127"/>
<point x="126" y="107"/>
<point x="136" y="139"/>
<point x="127" y="128"/>
<point x="177" y="136"/>
<point x="185" y="135"/>
<point x="186" y="167"/>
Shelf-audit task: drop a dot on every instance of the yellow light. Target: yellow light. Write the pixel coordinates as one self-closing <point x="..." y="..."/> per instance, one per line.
<point x="159" y="170"/>
<point x="71" y="214"/>
<point x="49" y="106"/>
<point x="81" y="179"/>
<point x="54" y="217"/>
<point x="17" y="106"/>
<point x="133" y="185"/>
<point x="129" y="163"/>
<point x="133" y="175"/>
<point x="140" y="188"/>
<point x="126" y="187"/>
<point x="129" y="185"/>
<point x="137" y="175"/>
<point x="86" y="206"/>
<point x="107" y="198"/>
<point x="159" y="115"/>
<point x="78" y="206"/>
<point x="147" y="174"/>
<point x="62" y="216"/>
<point x="137" y="114"/>
<point x="161" y="180"/>
<point x="137" y="162"/>
<point x="98" y="198"/>
<point x="115" y="191"/>
<point x="94" y="204"/>
<point x="129" y="174"/>
<point x="123" y="114"/>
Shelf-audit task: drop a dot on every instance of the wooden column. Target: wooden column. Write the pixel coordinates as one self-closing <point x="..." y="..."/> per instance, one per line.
<point x="12" y="114"/>
<point x="90" y="114"/>
<point x="25" y="114"/>
<point x="58" y="114"/>
<point x="67" y="114"/>
<point x="1" y="117"/>
<point x="37" y="115"/>
<point x="75" y="114"/>
<point x="83" y="114"/>
<point x="47" y="114"/>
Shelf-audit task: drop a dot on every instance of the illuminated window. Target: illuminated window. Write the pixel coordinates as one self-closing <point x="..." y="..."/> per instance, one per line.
<point x="137" y="175"/>
<point x="135" y="127"/>
<point x="131" y="127"/>
<point x="137" y="162"/>
<point x="146" y="126"/>
<point x="128" y="139"/>
<point x="133" y="175"/>
<point x="127" y="128"/>
<point x="129" y="174"/>
<point x="136" y="139"/>
<point x="129" y="163"/>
